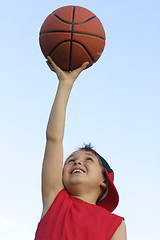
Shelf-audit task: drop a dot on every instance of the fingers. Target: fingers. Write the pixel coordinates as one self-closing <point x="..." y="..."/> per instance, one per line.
<point x="52" y="64"/>
<point x="55" y="68"/>
<point x="82" y="67"/>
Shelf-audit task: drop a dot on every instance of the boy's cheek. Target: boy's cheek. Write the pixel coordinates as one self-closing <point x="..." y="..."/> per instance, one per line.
<point x="65" y="172"/>
<point x="65" y="169"/>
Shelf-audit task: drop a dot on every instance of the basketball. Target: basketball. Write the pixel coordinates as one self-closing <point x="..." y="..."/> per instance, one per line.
<point x="72" y="35"/>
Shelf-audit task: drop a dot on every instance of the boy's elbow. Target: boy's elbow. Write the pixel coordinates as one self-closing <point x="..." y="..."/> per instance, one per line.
<point x="53" y="138"/>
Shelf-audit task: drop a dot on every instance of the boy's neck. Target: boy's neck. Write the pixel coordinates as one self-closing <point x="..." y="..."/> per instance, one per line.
<point x="86" y="198"/>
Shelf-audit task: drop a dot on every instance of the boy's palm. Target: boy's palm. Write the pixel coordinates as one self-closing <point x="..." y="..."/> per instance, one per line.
<point x="64" y="75"/>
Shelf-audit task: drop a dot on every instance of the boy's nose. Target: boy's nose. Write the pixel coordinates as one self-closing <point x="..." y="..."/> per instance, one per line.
<point x="77" y="162"/>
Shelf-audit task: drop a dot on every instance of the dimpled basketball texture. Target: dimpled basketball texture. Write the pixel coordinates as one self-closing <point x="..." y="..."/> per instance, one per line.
<point x="72" y="35"/>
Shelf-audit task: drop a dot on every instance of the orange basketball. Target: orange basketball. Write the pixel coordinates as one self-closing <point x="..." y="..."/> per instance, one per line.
<point x="72" y="35"/>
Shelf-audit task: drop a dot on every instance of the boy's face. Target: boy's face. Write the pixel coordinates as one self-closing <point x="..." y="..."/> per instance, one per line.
<point x="82" y="168"/>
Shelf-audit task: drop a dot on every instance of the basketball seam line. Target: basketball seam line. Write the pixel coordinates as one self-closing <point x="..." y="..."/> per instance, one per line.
<point x="75" y="42"/>
<point x="71" y="39"/>
<point x="61" y="31"/>
<point x="71" y="22"/>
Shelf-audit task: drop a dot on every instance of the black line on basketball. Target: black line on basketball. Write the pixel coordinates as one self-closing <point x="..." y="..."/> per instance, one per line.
<point x="71" y="40"/>
<point x="57" y="31"/>
<point x="58" y="46"/>
<point x="85" y="49"/>
<point x="71" y="22"/>
<point x="61" y="18"/>
<point x="60" y="31"/>
<point x="75" y="42"/>
<point x="85" y="20"/>
<point x="90" y="34"/>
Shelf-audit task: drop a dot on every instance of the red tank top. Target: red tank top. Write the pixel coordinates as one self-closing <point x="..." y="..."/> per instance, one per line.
<point x="69" y="218"/>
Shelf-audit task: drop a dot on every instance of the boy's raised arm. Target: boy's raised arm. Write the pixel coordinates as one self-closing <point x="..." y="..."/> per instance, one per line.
<point x="53" y="158"/>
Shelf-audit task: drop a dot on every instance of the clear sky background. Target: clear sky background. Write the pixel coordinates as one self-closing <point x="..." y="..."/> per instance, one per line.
<point x="115" y="105"/>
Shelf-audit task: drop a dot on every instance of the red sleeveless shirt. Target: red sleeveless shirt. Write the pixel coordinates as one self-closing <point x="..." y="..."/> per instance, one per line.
<point x="69" y="218"/>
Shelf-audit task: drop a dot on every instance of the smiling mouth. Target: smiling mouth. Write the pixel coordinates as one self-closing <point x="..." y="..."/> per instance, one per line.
<point x="77" y="171"/>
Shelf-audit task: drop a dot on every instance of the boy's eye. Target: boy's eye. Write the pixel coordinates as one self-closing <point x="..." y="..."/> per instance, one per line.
<point x="72" y="160"/>
<point x="89" y="159"/>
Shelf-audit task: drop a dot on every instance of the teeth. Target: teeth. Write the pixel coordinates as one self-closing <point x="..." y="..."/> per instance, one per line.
<point x="77" y="171"/>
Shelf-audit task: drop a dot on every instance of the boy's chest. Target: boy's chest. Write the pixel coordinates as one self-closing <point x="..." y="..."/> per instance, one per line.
<point x="86" y="223"/>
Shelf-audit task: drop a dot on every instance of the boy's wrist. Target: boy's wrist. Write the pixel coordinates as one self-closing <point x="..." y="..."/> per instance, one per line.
<point x="66" y="83"/>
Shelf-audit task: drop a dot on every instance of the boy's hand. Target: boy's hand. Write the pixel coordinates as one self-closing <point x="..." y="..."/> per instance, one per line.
<point x="64" y="75"/>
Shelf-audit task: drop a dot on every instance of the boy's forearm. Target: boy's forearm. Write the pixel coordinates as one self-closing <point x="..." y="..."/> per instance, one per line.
<point x="56" y="123"/>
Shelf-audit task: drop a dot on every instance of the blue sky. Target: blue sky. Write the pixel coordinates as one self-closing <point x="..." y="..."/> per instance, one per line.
<point x="114" y="105"/>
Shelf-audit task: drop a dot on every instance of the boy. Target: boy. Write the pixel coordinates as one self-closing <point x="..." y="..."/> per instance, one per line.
<point x="79" y="198"/>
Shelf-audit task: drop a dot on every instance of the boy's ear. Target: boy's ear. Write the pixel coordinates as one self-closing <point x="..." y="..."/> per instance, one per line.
<point x="104" y="185"/>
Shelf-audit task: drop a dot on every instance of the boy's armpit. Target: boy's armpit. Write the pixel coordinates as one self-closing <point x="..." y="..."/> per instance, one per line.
<point x="48" y="202"/>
